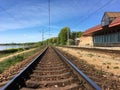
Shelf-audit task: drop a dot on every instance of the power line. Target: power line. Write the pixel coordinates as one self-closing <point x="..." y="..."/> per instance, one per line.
<point x="90" y="7"/>
<point x="42" y="35"/>
<point x="92" y="13"/>
<point x="49" y="15"/>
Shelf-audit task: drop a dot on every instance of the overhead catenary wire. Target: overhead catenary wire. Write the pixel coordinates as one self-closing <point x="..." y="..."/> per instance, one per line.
<point x="49" y="16"/>
<point x="83" y="19"/>
<point x="93" y="12"/>
<point x="42" y="31"/>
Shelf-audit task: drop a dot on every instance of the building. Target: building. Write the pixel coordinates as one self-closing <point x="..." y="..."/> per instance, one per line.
<point x="77" y="41"/>
<point x="86" y="40"/>
<point x="105" y="34"/>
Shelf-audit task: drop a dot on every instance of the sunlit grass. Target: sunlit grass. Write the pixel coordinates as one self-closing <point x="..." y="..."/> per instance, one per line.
<point x="10" y="51"/>
<point x="16" y="59"/>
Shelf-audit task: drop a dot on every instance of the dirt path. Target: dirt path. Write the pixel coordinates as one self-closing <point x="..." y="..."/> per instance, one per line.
<point x="18" y="53"/>
<point x="108" y="63"/>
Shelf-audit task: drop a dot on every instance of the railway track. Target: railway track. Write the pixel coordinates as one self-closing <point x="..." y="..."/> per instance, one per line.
<point x="51" y="71"/>
<point x="100" y="50"/>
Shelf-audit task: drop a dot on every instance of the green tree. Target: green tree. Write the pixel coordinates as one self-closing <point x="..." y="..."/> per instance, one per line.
<point x="75" y="35"/>
<point x="64" y="35"/>
<point x="51" y="41"/>
<point x="79" y="34"/>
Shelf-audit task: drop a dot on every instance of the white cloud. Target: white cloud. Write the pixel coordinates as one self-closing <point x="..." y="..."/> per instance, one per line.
<point x="23" y="17"/>
<point x="36" y="14"/>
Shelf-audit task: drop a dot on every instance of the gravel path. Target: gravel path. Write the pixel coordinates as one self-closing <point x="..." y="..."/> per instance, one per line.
<point x="84" y="61"/>
<point x="108" y="63"/>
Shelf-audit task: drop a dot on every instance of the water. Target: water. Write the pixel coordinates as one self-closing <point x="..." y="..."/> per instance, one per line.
<point x="4" y="47"/>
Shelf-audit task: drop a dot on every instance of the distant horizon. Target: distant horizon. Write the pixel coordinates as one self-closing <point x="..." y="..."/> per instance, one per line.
<point x="17" y="43"/>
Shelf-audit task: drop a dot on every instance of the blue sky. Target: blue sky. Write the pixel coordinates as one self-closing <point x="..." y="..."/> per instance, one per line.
<point x="25" y="20"/>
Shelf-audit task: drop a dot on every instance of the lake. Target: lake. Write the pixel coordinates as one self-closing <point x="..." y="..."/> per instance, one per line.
<point x="4" y="47"/>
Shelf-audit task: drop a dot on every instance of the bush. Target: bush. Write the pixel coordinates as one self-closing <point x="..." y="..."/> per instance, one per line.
<point x="11" y="50"/>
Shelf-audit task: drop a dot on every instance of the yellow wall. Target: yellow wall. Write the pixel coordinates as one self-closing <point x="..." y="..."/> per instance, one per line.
<point x="86" y="41"/>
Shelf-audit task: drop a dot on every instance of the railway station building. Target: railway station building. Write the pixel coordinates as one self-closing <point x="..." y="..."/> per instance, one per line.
<point x="105" y="34"/>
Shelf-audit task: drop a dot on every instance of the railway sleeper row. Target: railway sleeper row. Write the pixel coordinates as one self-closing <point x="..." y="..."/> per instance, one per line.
<point x="52" y="73"/>
<point x="50" y="79"/>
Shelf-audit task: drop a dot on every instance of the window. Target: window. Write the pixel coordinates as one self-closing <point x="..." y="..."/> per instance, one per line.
<point x="118" y="36"/>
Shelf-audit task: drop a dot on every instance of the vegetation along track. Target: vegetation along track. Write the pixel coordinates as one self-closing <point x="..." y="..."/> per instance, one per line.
<point x="51" y="71"/>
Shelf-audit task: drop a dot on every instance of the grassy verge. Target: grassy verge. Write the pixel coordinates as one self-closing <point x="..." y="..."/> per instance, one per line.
<point x="10" y="51"/>
<point x="16" y="59"/>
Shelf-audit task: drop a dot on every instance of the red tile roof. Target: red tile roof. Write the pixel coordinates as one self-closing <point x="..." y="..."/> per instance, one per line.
<point x="115" y="22"/>
<point x="113" y="14"/>
<point x="99" y="27"/>
<point x="93" y="29"/>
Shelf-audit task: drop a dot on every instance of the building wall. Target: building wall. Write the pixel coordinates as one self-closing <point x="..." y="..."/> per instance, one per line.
<point x="86" y="41"/>
<point x="105" y="20"/>
<point x="112" y="39"/>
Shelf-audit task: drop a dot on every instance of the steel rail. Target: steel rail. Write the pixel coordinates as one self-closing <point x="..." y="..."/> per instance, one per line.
<point x="18" y="81"/>
<point x="83" y="76"/>
<point x="96" y="49"/>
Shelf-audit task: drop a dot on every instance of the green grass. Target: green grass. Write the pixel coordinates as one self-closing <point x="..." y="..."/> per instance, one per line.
<point x="10" y="51"/>
<point x="10" y="62"/>
<point x="16" y="59"/>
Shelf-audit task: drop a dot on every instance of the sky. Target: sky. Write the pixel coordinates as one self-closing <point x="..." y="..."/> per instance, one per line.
<point x="28" y="20"/>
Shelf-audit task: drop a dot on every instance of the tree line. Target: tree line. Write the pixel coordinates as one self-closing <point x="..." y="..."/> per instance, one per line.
<point x="65" y="37"/>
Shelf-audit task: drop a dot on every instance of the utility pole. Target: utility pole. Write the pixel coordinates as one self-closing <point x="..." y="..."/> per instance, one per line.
<point x="68" y="37"/>
<point x="49" y="14"/>
<point x="49" y="17"/>
<point x="43" y="36"/>
<point x="76" y="38"/>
